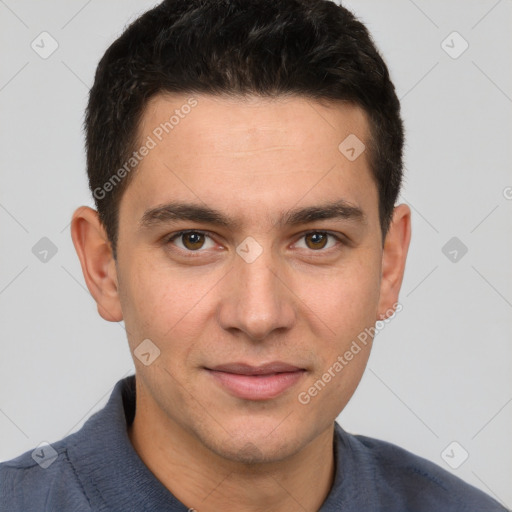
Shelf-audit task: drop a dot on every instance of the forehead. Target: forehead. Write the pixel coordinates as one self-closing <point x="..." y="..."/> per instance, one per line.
<point x="253" y="121"/>
<point x="251" y="153"/>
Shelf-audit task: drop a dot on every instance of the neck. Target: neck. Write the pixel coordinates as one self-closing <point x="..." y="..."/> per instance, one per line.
<point x="207" y="482"/>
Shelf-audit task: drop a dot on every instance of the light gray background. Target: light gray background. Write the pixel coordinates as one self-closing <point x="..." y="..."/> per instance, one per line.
<point x="440" y="371"/>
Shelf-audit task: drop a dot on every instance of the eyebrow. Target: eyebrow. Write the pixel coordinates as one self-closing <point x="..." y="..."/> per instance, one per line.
<point x="179" y="211"/>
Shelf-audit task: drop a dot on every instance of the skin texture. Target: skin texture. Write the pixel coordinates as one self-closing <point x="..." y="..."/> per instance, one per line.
<point x="253" y="159"/>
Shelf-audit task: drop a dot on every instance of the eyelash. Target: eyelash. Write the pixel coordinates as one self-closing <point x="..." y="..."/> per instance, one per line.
<point x="169" y="239"/>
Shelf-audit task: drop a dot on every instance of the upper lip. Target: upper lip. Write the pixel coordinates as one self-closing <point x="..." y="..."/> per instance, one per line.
<point x="264" y="369"/>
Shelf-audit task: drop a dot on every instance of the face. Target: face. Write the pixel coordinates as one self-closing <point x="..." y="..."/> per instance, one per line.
<point x="278" y="272"/>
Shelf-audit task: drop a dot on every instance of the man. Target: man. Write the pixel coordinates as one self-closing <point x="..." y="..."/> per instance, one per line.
<point x="245" y="159"/>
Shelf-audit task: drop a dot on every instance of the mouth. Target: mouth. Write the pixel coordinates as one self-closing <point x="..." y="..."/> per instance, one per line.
<point x="262" y="382"/>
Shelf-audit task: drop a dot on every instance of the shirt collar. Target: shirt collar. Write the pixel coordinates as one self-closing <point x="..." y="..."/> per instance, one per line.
<point x="114" y="477"/>
<point x="108" y="466"/>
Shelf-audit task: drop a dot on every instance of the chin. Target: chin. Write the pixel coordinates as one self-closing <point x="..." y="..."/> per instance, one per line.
<point x="254" y="452"/>
<point x="256" y="443"/>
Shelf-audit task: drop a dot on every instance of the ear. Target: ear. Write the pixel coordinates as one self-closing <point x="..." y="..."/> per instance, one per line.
<point x="394" y="255"/>
<point x="97" y="261"/>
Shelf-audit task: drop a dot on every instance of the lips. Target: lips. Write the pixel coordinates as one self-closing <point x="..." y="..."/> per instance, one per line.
<point x="262" y="382"/>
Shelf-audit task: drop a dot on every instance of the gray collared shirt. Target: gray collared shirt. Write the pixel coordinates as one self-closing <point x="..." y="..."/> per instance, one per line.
<point x="97" y="469"/>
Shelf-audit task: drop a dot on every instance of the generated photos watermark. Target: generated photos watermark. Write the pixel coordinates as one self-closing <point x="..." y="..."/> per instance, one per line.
<point x="342" y="361"/>
<point x="151" y="142"/>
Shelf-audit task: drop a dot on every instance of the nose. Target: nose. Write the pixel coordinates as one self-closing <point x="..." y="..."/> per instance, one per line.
<point x="256" y="299"/>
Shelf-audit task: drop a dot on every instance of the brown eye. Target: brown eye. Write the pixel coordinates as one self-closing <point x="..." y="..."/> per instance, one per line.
<point x="320" y="242"/>
<point x="191" y="241"/>
<point x="316" y="240"/>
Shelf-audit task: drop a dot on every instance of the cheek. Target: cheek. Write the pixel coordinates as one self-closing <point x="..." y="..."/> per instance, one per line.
<point x="163" y="304"/>
<point x="347" y="306"/>
<point x="346" y="299"/>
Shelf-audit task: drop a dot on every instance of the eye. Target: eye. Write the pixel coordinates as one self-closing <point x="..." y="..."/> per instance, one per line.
<point x="318" y="240"/>
<point x="191" y="240"/>
<point x="199" y="241"/>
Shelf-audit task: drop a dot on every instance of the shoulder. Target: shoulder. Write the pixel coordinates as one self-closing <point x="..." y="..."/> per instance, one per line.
<point x="76" y="472"/>
<point x="403" y="479"/>
<point x="42" y="479"/>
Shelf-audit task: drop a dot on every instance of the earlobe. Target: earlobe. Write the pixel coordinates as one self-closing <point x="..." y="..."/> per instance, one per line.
<point x="394" y="258"/>
<point x="97" y="261"/>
